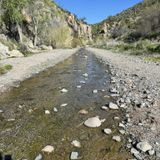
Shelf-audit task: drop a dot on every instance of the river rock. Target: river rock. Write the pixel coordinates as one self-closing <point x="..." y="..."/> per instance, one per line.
<point x="64" y="90"/>
<point x="144" y="146"/>
<point x="85" y="75"/>
<point x="76" y="143"/>
<point x="104" y="108"/>
<point x="93" y="122"/>
<point x="79" y="87"/>
<point x="39" y="157"/>
<point x="64" y="105"/>
<point x="107" y="131"/>
<point x="74" y="155"/>
<point x="83" y="111"/>
<point x="95" y="91"/>
<point x="117" y="138"/>
<point x="48" y="149"/>
<point x="113" y="106"/>
<point x="55" y="109"/>
<point x="47" y="112"/>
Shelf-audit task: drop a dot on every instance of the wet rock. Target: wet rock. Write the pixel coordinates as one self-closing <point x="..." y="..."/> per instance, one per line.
<point x="55" y="109"/>
<point x="83" y="111"/>
<point x="48" y="149"/>
<point x="85" y="75"/>
<point x="104" y="108"/>
<point x="76" y="143"/>
<point x="74" y="155"/>
<point x="39" y="157"/>
<point x="82" y="82"/>
<point x="144" y="146"/>
<point x="11" y="120"/>
<point x="64" y="90"/>
<point x="151" y="152"/>
<point x="113" y="106"/>
<point x="64" y="105"/>
<point x="95" y="91"/>
<point x="122" y="131"/>
<point x="79" y="87"/>
<point x="93" y="122"/>
<point x="107" y="131"/>
<point x="47" y="112"/>
<point x="117" y="138"/>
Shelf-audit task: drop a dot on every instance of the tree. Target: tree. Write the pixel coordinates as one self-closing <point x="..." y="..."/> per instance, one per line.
<point x="13" y="14"/>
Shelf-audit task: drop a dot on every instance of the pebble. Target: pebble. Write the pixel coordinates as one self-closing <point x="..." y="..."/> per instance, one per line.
<point x="107" y="131"/>
<point x="83" y="111"/>
<point x="144" y="146"/>
<point x="48" y="149"/>
<point x="74" y="155"/>
<point x="64" y="90"/>
<point x="117" y="138"/>
<point x="11" y="120"/>
<point x="76" y="143"/>
<point x="95" y="91"/>
<point x="122" y="131"/>
<point x="116" y="118"/>
<point x="55" y="109"/>
<point x="64" y="105"/>
<point x="85" y="75"/>
<point x="113" y="106"/>
<point x="122" y="125"/>
<point x="93" y="122"/>
<point x="104" y="108"/>
<point x="82" y="82"/>
<point x="39" y="157"/>
<point x="47" y="112"/>
<point x="1" y="111"/>
<point x="79" y="87"/>
<point x="151" y="152"/>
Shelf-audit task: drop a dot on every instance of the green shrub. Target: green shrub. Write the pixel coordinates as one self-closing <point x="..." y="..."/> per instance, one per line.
<point x="4" y="69"/>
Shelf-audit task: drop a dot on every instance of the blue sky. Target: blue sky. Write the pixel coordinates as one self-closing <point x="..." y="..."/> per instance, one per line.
<point x="96" y="10"/>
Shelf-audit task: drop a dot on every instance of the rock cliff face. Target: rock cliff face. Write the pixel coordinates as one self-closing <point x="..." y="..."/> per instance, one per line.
<point x="44" y="24"/>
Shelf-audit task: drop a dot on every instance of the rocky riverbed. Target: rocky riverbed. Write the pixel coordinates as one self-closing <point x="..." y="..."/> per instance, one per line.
<point x="136" y="84"/>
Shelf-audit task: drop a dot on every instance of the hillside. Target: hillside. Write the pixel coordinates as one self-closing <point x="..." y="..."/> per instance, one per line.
<point x="141" y="21"/>
<point x="28" y="26"/>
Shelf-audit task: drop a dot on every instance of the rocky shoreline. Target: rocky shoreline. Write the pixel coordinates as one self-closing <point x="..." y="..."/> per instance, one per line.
<point x="138" y="96"/>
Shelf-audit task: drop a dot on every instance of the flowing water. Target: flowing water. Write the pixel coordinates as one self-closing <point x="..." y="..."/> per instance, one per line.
<point x="25" y="128"/>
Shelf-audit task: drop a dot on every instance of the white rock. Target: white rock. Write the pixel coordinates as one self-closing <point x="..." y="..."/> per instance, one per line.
<point x="1" y="111"/>
<point x="15" y="53"/>
<point x="117" y="138"/>
<point x="48" y="149"/>
<point x="79" y="87"/>
<point x="107" y="131"/>
<point x="76" y="143"/>
<point x="116" y="118"/>
<point x="104" y="108"/>
<point x="123" y="106"/>
<point x="113" y="106"/>
<point x="11" y="120"/>
<point x="122" y="125"/>
<point x="93" y="122"/>
<point x="85" y="75"/>
<point x="74" y="155"/>
<point x="151" y="152"/>
<point x="64" y="105"/>
<point x="95" y="91"/>
<point x="83" y="111"/>
<point x="144" y="146"/>
<point x="122" y="131"/>
<point x="39" y="157"/>
<point x="55" y="109"/>
<point x="82" y="82"/>
<point x="47" y="112"/>
<point x="64" y="90"/>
